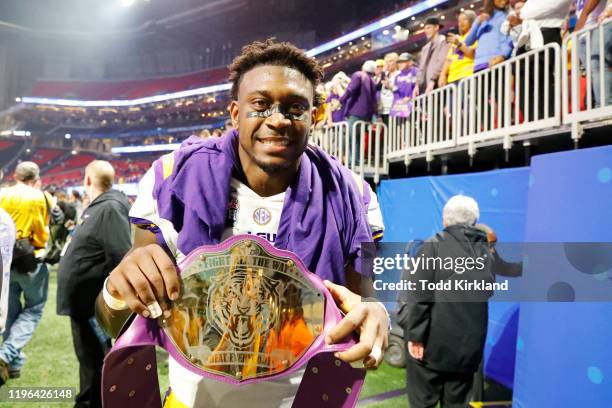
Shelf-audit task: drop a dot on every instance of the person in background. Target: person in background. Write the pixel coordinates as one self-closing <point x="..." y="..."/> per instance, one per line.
<point x="514" y="28"/>
<point x="379" y="74"/>
<point x="29" y="209"/>
<point x="588" y="12"/>
<point x="460" y="59"/>
<point x="433" y="56"/>
<point x="97" y="246"/>
<point x="322" y="115"/>
<point x="205" y="134"/>
<point x="541" y="22"/>
<point x="337" y="86"/>
<point x="493" y="46"/>
<point x="7" y="242"/>
<point x="228" y="125"/>
<point x="359" y="102"/>
<point x="445" y="332"/>
<point x="387" y="84"/>
<point x="606" y="14"/>
<point x="77" y="200"/>
<point x="217" y="133"/>
<point x="405" y="83"/>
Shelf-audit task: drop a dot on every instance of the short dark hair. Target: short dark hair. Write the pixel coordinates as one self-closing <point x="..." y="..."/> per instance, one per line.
<point x="270" y="52"/>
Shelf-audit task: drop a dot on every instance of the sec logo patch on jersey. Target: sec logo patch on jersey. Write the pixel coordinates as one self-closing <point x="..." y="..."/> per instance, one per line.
<point x="262" y="216"/>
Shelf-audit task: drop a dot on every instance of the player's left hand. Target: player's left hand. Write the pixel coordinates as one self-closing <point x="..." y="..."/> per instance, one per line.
<point x="369" y="319"/>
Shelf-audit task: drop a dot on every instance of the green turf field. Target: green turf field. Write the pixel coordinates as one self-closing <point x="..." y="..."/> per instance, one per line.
<point x="51" y="362"/>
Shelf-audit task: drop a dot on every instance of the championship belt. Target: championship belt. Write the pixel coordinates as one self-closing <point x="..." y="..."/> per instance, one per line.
<point x="247" y="312"/>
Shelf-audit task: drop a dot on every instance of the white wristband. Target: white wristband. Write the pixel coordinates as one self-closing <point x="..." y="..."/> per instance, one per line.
<point x="112" y="302"/>
<point x="387" y="312"/>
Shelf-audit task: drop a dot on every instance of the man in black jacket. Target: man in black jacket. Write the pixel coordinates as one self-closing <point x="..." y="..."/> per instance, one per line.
<point x="99" y="243"/>
<point x="445" y="330"/>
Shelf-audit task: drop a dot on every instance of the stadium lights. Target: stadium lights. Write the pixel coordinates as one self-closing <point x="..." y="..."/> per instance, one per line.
<point x="128" y="102"/>
<point x="146" y="148"/>
<point x="67" y="135"/>
<point x="377" y="25"/>
<point x="313" y="52"/>
<point x="20" y="133"/>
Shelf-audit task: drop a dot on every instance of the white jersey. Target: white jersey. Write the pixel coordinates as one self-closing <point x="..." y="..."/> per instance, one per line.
<point x="248" y="213"/>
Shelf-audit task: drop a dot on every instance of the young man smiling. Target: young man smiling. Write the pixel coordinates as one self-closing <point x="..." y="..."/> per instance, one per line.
<point x="261" y="178"/>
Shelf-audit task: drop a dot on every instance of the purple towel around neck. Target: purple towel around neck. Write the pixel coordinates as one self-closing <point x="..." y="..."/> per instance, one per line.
<point x="323" y="219"/>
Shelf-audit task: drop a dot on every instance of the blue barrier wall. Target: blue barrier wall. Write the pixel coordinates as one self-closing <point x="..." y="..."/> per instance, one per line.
<point x="412" y="209"/>
<point x="564" y="350"/>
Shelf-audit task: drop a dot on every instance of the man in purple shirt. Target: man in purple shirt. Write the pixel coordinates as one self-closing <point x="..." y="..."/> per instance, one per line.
<point x="323" y="219"/>
<point x="359" y="101"/>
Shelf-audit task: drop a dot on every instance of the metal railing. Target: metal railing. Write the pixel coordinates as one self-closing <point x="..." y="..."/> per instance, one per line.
<point x="334" y="140"/>
<point x="370" y="159"/>
<point x="520" y="95"/>
<point x="532" y="93"/>
<point x="586" y="48"/>
<point x="429" y="124"/>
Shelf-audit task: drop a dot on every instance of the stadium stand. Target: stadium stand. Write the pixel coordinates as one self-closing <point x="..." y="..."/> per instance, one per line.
<point x="128" y="89"/>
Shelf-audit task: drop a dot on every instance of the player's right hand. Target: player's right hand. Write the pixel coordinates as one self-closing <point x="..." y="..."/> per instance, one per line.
<point x="146" y="280"/>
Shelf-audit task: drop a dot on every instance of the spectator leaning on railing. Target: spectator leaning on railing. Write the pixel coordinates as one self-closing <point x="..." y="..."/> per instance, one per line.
<point x="493" y="46"/>
<point x="460" y="59"/>
<point x="387" y="84"/>
<point x="433" y="56"/>
<point x="359" y="100"/>
<point x="404" y="86"/>
<point x="540" y="23"/>
<point x="588" y="12"/>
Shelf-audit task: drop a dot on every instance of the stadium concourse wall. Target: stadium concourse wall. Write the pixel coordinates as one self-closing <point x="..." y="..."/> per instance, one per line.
<point x="551" y="354"/>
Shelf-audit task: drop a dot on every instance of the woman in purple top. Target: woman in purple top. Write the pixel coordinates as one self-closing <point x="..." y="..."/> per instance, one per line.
<point x="405" y="82"/>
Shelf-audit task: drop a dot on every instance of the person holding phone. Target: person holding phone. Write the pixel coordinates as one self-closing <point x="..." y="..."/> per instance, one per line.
<point x="460" y="59"/>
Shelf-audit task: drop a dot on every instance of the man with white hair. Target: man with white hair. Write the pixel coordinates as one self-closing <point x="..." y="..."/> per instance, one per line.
<point x="445" y="334"/>
<point x="29" y="207"/>
<point x="359" y="100"/>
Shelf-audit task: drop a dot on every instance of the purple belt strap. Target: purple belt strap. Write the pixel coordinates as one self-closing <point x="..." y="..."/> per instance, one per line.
<point x="129" y="375"/>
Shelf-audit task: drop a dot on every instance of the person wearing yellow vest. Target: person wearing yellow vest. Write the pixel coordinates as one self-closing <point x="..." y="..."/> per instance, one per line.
<point x="28" y="207"/>
<point x="460" y="60"/>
